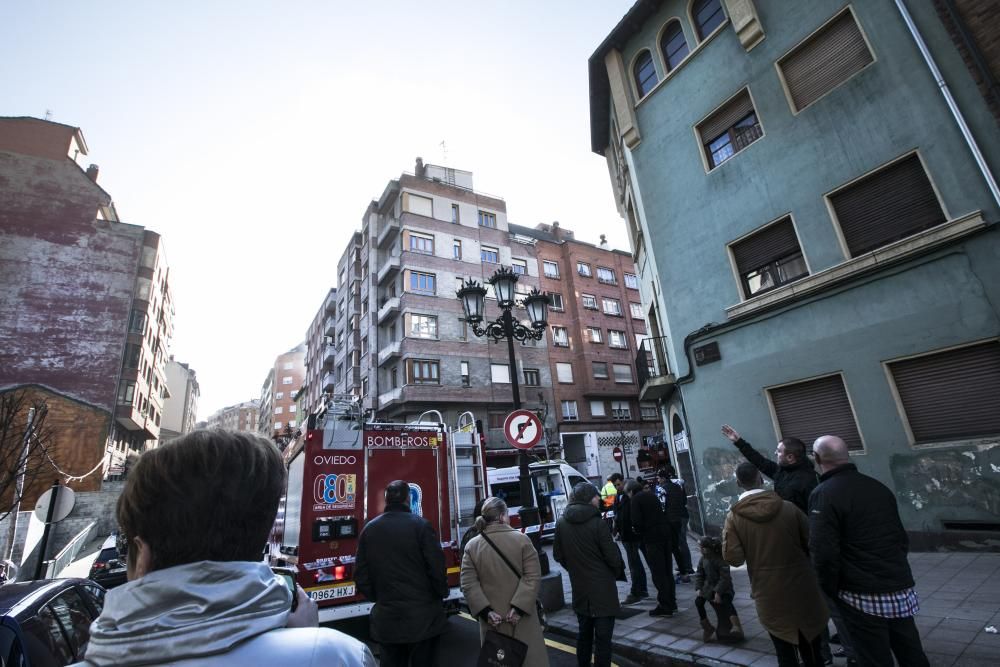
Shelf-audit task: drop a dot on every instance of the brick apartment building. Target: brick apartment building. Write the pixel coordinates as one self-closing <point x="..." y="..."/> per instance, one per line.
<point x="240" y="417"/>
<point x="278" y="409"/>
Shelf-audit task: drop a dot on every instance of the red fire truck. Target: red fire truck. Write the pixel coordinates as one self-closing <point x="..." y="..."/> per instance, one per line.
<point x="336" y="478"/>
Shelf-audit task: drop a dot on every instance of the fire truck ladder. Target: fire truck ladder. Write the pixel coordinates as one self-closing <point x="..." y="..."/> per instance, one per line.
<point x="470" y="478"/>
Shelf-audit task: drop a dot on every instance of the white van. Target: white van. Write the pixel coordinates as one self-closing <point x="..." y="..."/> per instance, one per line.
<point x="552" y="483"/>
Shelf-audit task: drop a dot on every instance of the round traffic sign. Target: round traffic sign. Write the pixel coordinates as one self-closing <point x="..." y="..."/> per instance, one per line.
<point x="523" y="429"/>
<point x="65" y="500"/>
<point x="617" y="453"/>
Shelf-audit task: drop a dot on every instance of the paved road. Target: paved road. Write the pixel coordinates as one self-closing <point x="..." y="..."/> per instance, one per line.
<point x="460" y="644"/>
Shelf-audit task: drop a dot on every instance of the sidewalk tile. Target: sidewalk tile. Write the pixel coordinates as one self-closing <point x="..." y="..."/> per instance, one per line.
<point x="950" y="634"/>
<point x="945" y="647"/>
<point x="766" y="661"/>
<point x="742" y="656"/>
<point x="939" y="660"/>
<point x="685" y="644"/>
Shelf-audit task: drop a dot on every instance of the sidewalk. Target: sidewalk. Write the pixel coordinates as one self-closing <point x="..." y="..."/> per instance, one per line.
<point x="959" y="597"/>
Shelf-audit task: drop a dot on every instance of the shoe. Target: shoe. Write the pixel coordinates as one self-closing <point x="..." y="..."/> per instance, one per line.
<point x="707" y="630"/>
<point x="632" y="599"/>
<point x="840" y="653"/>
<point x="660" y="611"/>
<point x="735" y="633"/>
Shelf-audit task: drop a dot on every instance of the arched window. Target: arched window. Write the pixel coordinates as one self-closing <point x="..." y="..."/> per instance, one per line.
<point x="707" y="16"/>
<point x="644" y="73"/>
<point x="673" y="45"/>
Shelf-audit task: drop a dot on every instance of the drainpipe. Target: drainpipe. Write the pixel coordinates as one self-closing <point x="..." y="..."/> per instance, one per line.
<point x="950" y="101"/>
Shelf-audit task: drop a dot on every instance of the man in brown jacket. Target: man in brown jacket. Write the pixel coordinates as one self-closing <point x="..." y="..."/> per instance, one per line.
<point x="772" y="536"/>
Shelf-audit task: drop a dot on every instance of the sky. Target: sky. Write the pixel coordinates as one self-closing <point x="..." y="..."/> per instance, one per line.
<point x="253" y="135"/>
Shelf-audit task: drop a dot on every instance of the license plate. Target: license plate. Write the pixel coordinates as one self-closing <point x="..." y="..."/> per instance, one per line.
<point x="333" y="593"/>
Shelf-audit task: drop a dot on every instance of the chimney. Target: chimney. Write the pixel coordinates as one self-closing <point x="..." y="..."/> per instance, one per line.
<point x="418" y="170"/>
<point x="555" y="229"/>
<point x="92" y="172"/>
<point x="604" y="242"/>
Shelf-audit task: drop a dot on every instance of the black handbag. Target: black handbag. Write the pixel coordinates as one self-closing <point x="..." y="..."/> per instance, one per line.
<point x="499" y="650"/>
<point x="539" y="609"/>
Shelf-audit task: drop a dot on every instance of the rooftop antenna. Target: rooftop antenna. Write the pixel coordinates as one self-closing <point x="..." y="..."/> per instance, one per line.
<point x="48" y="114"/>
<point x="444" y="153"/>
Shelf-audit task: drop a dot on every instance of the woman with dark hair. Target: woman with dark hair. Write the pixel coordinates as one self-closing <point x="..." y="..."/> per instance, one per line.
<point x="500" y="579"/>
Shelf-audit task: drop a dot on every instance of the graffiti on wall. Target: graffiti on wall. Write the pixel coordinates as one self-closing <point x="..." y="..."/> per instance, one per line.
<point x="960" y="479"/>
<point x="719" y="490"/>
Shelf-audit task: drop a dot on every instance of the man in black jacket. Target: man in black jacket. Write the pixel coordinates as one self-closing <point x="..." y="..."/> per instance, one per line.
<point x="400" y="567"/>
<point x="793" y="474"/>
<point x="675" y="504"/>
<point x="859" y="548"/>
<point x="629" y="539"/>
<point x="649" y="521"/>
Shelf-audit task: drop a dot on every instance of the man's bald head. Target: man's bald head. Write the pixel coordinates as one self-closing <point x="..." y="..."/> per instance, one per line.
<point x="831" y="451"/>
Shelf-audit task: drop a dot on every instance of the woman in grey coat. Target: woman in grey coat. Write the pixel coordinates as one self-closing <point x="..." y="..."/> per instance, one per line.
<point x="498" y="597"/>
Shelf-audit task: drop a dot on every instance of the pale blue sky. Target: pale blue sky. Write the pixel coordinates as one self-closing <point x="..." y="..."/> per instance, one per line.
<point x="252" y="135"/>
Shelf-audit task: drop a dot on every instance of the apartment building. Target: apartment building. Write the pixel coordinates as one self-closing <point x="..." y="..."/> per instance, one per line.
<point x="88" y="298"/>
<point x="278" y="409"/>
<point x="811" y="195"/>
<point x="240" y="417"/>
<point x="349" y="320"/>
<point x="319" y="358"/>
<point x="180" y="408"/>
<point x="596" y="322"/>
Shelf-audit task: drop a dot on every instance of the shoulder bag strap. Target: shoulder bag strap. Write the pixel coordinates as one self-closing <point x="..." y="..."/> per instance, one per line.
<point x="500" y="553"/>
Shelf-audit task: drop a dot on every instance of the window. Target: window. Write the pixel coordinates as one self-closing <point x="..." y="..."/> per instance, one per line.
<point x="423" y="326"/>
<point x="555" y="300"/>
<point x="489" y="255"/>
<point x="807" y="410"/>
<point x="621" y="410"/>
<point x="44" y="628"/>
<point x="416" y="204"/>
<point x="828" y="58"/>
<point x="277" y="425"/>
<point x="623" y="373"/>
<point x="456" y="249"/>
<point x="422" y="244"/>
<point x="589" y="301"/>
<point x="133" y="354"/>
<point x="597" y="409"/>
<point x="364" y="346"/>
<point x="551" y="269"/>
<point x="636" y="310"/>
<point x="606" y="276"/>
<point x="673" y="45"/>
<point x="424" y="371"/>
<point x="730" y="129"/>
<point x="364" y="307"/>
<point x="487" y="219"/>
<point x="454" y="214"/>
<point x="531" y="377"/>
<point x="707" y="16"/>
<point x="422" y="283"/>
<point x="496" y="419"/>
<point x="279" y="395"/>
<point x="500" y="373"/>
<point x="894" y="202"/>
<point x="560" y="337"/>
<point x="583" y="269"/>
<point x="292" y="408"/>
<point x="569" y="412"/>
<point x="617" y="339"/>
<point x="464" y="370"/>
<point x="594" y="335"/>
<point x="394" y="378"/>
<point x="564" y="372"/>
<point x="648" y="411"/>
<point x="612" y="306"/>
<point x="136" y="321"/>
<point x="364" y="389"/>
<point x="126" y="393"/>
<point x="287" y="366"/>
<point x="768" y="258"/>
<point x="519" y="266"/>
<point x="286" y="380"/>
<point x="600" y="369"/>
<point x="950" y="395"/>
<point x="631" y="281"/>
<point x="644" y="73"/>
<point x="278" y="410"/>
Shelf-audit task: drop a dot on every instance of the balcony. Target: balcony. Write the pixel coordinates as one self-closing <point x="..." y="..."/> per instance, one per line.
<point x="391" y="351"/>
<point x="388" y="232"/>
<point x="389" y="269"/>
<point x="651" y="368"/>
<point x="330" y="305"/>
<point x="387" y="308"/>
<point x="329" y="326"/>
<point x="329" y="353"/>
<point x="132" y="419"/>
<point x="328" y="382"/>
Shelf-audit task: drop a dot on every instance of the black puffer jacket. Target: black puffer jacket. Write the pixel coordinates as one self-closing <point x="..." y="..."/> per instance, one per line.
<point x="400" y="567"/>
<point x="676" y="502"/>
<point x="649" y="521"/>
<point x="583" y="546"/>
<point x="623" y="518"/>
<point x="793" y="483"/>
<point x="856" y="539"/>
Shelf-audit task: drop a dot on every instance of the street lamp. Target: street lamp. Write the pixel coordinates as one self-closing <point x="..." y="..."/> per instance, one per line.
<point x="473" y="296"/>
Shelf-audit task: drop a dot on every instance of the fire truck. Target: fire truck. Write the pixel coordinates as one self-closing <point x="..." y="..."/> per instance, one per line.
<point x="337" y="474"/>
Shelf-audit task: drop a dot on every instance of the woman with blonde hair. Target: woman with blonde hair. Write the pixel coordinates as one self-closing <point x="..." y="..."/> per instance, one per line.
<point x="500" y="579"/>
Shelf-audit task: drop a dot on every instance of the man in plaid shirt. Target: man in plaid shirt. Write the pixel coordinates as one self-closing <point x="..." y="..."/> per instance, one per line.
<point x="859" y="549"/>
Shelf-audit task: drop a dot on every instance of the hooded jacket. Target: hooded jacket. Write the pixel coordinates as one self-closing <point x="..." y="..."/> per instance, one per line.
<point x="793" y="483"/>
<point x="771" y="536"/>
<point x="214" y="614"/>
<point x="583" y="546"/>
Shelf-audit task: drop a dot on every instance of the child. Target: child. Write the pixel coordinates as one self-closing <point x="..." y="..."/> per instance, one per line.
<point x="715" y="586"/>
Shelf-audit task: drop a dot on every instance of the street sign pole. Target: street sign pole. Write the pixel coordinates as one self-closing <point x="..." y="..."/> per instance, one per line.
<point x="44" y="543"/>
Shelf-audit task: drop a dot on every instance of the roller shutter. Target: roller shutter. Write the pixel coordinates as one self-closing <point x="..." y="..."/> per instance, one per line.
<point x="807" y="410"/>
<point x="728" y="115"/>
<point x="768" y="245"/>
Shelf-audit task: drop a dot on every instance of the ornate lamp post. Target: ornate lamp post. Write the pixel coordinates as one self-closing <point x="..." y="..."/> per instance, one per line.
<point x="473" y="298"/>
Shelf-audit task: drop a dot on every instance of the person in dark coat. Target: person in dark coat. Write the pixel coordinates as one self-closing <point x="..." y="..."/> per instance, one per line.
<point x="401" y="568"/>
<point x="675" y="504"/>
<point x="629" y="539"/>
<point x="715" y="587"/>
<point x="583" y="546"/>
<point x="793" y="473"/>
<point x="649" y="521"/>
<point x="859" y="549"/>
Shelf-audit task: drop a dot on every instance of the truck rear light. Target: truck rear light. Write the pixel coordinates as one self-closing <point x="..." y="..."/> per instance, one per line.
<point x="340" y="572"/>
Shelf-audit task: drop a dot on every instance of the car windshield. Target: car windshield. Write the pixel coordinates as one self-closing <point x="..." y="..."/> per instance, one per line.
<point x="107" y="554"/>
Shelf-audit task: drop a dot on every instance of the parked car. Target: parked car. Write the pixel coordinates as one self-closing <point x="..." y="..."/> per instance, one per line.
<point x="108" y="569"/>
<point x="46" y="623"/>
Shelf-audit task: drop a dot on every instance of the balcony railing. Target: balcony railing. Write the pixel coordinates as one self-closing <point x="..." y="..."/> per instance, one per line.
<point x="652" y="369"/>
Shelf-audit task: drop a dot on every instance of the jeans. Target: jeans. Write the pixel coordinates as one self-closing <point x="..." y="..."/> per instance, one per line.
<point x="725" y="611"/>
<point x="661" y="567"/>
<point x="635" y="569"/>
<point x="842" y="629"/>
<point x="595" y="637"/>
<point x="875" y="639"/>
<point x="808" y="649"/>
<point x="682" y="554"/>
<point x="419" y="654"/>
